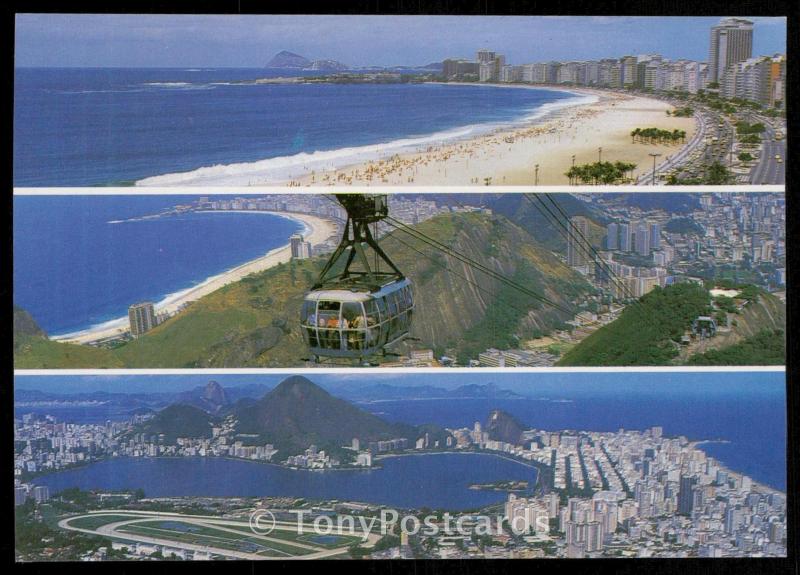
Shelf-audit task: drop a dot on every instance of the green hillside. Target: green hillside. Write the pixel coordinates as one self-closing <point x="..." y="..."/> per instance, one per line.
<point x="767" y="347"/>
<point x="36" y="352"/>
<point x="32" y="349"/>
<point x="466" y="317"/>
<point x="24" y="325"/>
<point x="646" y="333"/>
<point x="293" y="416"/>
<point x="178" y="420"/>
<point x="298" y="413"/>
<point x="534" y="218"/>
<point x="253" y="322"/>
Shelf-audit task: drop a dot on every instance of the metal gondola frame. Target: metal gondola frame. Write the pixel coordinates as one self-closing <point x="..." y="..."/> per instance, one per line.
<point x="361" y="211"/>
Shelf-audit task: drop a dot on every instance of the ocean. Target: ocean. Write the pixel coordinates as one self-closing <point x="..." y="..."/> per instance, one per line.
<point x="746" y="431"/>
<point x="80" y="261"/>
<point x="86" y="127"/>
<point x="745" y="423"/>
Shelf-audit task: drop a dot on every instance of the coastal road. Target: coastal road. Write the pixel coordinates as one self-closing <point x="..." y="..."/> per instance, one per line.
<point x="680" y="156"/>
<point x="769" y="170"/>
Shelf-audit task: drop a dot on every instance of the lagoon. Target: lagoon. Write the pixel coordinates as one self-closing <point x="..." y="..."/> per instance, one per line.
<point x="437" y="481"/>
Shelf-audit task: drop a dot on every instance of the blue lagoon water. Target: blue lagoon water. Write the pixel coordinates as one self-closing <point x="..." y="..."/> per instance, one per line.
<point x="439" y="481"/>
<point x="80" y="261"/>
<point x="747" y="415"/>
<point x="79" y="127"/>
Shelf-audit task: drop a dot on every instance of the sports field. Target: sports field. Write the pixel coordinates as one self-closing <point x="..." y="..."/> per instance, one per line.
<point x="218" y="536"/>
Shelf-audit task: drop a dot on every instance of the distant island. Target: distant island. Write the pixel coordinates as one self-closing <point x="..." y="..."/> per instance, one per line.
<point x="509" y="485"/>
<point x="340" y="72"/>
<point x="291" y="61"/>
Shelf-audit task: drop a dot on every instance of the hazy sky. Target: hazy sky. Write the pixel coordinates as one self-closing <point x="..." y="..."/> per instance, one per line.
<point x="250" y="41"/>
<point x="550" y="384"/>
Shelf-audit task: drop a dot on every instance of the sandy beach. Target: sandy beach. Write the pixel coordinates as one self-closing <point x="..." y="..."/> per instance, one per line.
<point x="508" y="156"/>
<point x="466" y="155"/>
<point x="317" y="231"/>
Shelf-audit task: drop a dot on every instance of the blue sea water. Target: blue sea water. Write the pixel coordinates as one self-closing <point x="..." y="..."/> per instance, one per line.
<point x="83" y="414"/>
<point x="79" y="127"/>
<point x="80" y="261"/>
<point x="746" y="431"/>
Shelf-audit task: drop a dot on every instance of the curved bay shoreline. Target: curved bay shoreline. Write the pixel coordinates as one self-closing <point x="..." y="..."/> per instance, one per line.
<point x="506" y="153"/>
<point x="316" y="231"/>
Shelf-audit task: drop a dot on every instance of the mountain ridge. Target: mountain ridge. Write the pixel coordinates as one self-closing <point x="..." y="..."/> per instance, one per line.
<point x="298" y="413"/>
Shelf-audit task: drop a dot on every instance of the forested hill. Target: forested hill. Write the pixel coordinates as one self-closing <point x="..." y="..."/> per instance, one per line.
<point x="647" y="332"/>
<point x="532" y="216"/>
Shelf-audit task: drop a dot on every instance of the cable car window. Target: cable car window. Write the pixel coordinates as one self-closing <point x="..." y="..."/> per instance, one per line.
<point x="329" y="323"/>
<point x="394" y="315"/>
<point x="353" y="324"/>
<point x="372" y="336"/>
<point x="352" y="314"/>
<point x="383" y="334"/>
<point x="372" y="312"/>
<point x="328" y="311"/>
<point x="308" y="317"/>
<point x="382" y="307"/>
<point x="308" y="314"/>
<point x="392" y="302"/>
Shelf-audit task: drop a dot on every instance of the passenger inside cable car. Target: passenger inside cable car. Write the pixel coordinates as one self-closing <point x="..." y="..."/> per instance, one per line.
<point x="329" y="322"/>
<point x="352" y="324"/>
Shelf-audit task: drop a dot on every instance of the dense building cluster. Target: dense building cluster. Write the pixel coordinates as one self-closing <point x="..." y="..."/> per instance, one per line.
<point x="637" y="494"/>
<point x="642" y="249"/>
<point x="731" y="68"/>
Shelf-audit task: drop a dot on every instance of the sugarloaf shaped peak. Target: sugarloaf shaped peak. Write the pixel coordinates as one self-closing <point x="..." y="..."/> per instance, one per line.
<point x="286" y="59"/>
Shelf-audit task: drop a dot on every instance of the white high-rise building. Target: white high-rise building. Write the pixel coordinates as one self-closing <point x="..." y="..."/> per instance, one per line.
<point x="731" y="42"/>
<point x="749" y="80"/>
<point x="300" y="248"/>
<point x="142" y="318"/>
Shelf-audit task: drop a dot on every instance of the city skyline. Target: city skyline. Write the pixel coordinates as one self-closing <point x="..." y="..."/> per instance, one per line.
<point x="250" y="41"/>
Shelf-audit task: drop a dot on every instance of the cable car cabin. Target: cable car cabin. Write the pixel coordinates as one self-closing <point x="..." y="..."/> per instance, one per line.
<point x="356" y="324"/>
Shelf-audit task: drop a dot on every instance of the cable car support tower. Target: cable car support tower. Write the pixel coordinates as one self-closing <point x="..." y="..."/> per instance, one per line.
<point x="349" y="267"/>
